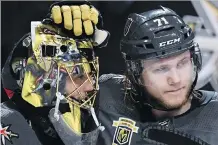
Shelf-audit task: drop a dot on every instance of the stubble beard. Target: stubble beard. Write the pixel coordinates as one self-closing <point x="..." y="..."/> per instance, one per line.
<point x="170" y="106"/>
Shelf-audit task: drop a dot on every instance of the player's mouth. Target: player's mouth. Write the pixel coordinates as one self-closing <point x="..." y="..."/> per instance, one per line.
<point x="176" y="91"/>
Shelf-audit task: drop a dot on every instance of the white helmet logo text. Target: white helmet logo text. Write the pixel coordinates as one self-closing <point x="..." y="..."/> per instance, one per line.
<point x="169" y="42"/>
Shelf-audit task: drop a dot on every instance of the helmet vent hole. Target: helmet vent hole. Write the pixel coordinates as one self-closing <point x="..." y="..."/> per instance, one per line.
<point x="46" y="86"/>
<point x="163" y="32"/>
<point x="140" y="45"/>
<point x="63" y="48"/>
<point x="145" y="38"/>
<point x="182" y="27"/>
<point x="186" y="35"/>
<point x="48" y="50"/>
<point x="149" y="46"/>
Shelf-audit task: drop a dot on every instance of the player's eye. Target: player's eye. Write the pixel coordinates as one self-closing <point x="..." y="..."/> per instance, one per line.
<point x="183" y="63"/>
<point x="161" y="69"/>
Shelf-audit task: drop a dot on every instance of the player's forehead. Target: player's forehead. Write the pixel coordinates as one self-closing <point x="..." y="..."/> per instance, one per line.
<point x="167" y="60"/>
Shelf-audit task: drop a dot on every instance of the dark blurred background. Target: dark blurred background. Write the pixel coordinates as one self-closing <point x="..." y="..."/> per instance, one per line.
<point x="17" y="15"/>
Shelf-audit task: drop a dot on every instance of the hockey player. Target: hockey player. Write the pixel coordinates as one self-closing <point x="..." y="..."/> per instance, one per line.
<point x="156" y="101"/>
<point x="51" y="78"/>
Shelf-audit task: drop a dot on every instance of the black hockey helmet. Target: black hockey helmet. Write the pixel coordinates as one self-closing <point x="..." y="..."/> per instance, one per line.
<point x="158" y="33"/>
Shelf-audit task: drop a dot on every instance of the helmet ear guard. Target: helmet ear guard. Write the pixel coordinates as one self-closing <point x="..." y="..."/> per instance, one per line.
<point x="196" y="56"/>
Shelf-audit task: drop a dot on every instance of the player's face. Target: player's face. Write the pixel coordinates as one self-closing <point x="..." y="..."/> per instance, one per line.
<point x="169" y="80"/>
<point x="78" y="87"/>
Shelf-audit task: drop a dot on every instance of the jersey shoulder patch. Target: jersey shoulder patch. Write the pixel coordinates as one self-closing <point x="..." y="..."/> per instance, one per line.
<point x="15" y="128"/>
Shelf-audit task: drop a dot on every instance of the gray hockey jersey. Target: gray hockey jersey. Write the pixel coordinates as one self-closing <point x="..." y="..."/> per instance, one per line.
<point x="123" y="123"/>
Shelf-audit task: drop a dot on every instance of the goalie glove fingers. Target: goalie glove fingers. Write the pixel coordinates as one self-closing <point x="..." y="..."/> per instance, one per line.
<point x="56" y="14"/>
<point x="68" y="23"/>
<point x="75" y="17"/>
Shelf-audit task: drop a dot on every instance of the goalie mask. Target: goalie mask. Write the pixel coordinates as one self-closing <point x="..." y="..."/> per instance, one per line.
<point x="57" y="60"/>
<point x="58" y="76"/>
<point x="156" y="35"/>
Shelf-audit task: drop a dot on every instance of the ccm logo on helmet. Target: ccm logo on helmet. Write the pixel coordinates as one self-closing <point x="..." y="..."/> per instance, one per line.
<point x="169" y="42"/>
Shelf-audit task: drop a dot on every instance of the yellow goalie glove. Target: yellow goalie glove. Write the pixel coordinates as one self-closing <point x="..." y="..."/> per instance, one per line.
<point x="76" y="17"/>
<point x="81" y="18"/>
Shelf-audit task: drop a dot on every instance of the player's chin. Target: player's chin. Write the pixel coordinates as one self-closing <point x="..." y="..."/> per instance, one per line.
<point x="175" y="103"/>
<point x="79" y="97"/>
